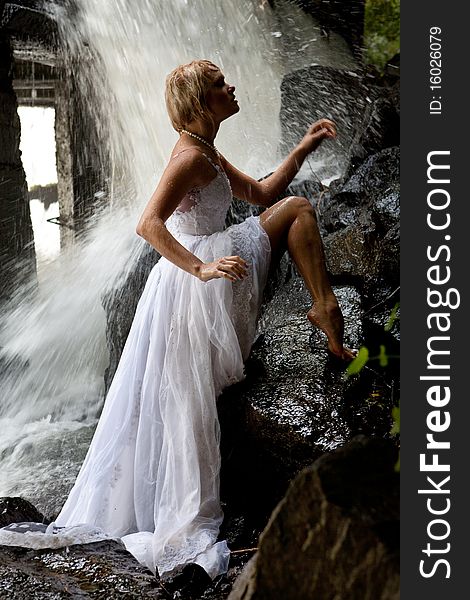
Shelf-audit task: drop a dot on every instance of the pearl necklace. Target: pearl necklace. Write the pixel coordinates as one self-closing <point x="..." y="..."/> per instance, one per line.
<point x="201" y="139"/>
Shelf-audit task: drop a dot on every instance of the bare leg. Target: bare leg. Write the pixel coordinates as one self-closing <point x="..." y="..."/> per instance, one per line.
<point x="292" y="221"/>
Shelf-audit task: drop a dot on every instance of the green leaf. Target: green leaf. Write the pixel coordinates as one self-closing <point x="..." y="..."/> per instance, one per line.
<point x="358" y="363"/>
<point x="392" y="318"/>
<point x="383" y="358"/>
<point x="396" y="420"/>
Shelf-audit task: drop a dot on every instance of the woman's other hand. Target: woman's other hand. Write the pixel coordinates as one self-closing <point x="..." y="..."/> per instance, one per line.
<point x="230" y="267"/>
<point x="317" y="132"/>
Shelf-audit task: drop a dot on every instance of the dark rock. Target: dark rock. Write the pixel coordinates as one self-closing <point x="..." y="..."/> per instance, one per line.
<point x="310" y="189"/>
<point x="97" y="570"/>
<point x="16" y="510"/>
<point x="191" y="580"/>
<point x="240" y="210"/>
<point x="391" y="76"/>
<point x="120" y="305"/>
<point x="314" y="92"/>
<point x="380" y="128"/>
<point x="28" y="19"/>
<point x="295" y="404"/>
<point x="366" y="115"/>
<point x="370" y="182"/>
<point x="105" y="569"/>
<point x="345" y="17"/>
<point x="335" y="534"/>
<point x="361" y="222"/>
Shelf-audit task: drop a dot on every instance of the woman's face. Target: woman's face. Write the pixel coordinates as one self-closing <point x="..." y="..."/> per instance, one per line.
<point x="220" y="97"/>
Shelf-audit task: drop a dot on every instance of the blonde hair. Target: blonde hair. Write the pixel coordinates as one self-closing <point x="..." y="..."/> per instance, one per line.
<point x="185" y="92"/>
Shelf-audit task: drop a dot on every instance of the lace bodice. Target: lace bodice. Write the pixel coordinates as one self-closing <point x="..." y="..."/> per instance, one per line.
<point x="206" y="207"/>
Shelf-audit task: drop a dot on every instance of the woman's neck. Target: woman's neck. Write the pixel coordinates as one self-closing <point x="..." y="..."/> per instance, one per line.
<point x="208" y="131"/>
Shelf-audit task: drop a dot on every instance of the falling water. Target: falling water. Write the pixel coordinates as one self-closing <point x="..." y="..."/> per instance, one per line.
<point x="53" y="349"/>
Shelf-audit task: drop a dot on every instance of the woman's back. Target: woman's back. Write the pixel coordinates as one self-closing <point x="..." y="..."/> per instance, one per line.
<point x="202" y="210"/>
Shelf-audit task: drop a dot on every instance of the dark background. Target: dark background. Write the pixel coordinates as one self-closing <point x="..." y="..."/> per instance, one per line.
<point x="421" y="133"/>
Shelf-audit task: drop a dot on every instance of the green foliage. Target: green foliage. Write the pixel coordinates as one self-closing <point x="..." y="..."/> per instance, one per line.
<point x="396" y="420"/>
<point x="383" y="358"/>
<point x="393" y="317"/>
<point x="396" y="430"/>
<point x="359" y="362"/>
<point x="381" y="31"/>
<point x="363" y="358"/>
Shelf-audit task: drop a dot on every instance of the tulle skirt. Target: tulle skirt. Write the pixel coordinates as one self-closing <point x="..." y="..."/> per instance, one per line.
<point x="151" y="474"/>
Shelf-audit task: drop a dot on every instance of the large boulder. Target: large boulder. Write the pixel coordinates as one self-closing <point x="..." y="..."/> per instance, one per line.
<point x="295" y="403"/>
<point x="365" y="112"/>
<point x="28" y="20"/>
<point x="120" y="305"/>
<point x="345" y="17"/>
<point x="335" y="534"/>
<point x="360" y="219"/>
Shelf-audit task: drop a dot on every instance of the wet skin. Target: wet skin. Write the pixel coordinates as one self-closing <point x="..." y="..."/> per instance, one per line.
<point x="292" y="223"/>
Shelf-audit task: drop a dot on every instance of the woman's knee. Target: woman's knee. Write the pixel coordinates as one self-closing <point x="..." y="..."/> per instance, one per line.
<point x="300" y="204"/>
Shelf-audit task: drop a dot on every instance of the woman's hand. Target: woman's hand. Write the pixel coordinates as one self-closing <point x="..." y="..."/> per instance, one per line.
<point x="317" y="132"/>
<point x="230" y="267"/>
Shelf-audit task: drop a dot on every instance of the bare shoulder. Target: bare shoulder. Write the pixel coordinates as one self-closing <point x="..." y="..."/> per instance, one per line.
<point x="187" y="169"/>
<point x="191" y="165"/>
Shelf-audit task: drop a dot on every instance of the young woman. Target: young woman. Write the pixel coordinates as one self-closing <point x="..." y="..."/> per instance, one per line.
<point x="151" y="475"/>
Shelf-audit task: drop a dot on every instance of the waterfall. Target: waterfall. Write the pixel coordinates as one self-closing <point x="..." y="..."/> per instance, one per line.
<point x="53" y="348"/>
<point x="52" y="345"/>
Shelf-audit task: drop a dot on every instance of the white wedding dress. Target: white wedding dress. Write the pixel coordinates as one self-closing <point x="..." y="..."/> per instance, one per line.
<point x="151" y="474"/>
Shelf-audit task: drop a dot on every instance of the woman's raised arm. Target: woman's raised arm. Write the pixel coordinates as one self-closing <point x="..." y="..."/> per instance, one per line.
<point x="266" y="191"/>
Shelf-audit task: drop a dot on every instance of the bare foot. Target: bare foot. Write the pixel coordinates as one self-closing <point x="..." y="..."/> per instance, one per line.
<point x="327" y="316"/>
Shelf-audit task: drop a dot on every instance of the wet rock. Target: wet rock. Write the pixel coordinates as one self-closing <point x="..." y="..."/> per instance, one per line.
<point x="360" y="219"/>
<point x="97" y="570"/>
<point x="366" y="115"/>
<point x="105" y="569"/>
<point x="191" y="580"/>
<point x="295" y="403"/>
<point x="369" y="183"/>
<point x="239" y="211"/>
<point x="312" y="189"/>
<point x="336" y="532"/>
<point x="28" y="19"/>
<point x="15" y="510"/>
<point x="343" y="17"/>
<point x="120" y="305"/>
<point x="380" y="128"/>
